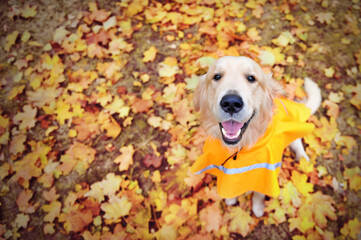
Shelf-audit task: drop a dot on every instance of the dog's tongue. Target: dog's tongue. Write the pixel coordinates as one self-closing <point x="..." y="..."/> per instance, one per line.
<point x="232" y="127"/>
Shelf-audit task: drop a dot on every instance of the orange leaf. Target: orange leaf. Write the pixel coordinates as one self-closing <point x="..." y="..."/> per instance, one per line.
<point x="125" y="159"/>
<point x="26" y="119"/>
<point x="50" y="195"/>
<point x="150" y="54"/>
<point x="23" y="202"/>
<point x="141" y="105"/>
<point x="211" y="217"/>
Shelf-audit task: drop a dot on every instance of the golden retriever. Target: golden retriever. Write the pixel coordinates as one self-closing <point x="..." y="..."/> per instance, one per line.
<point x="236" y="101"/>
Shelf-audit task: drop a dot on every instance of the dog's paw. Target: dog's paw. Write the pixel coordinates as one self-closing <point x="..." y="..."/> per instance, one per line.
<point x="231" y="201"/>
<point x="258" y="209"/>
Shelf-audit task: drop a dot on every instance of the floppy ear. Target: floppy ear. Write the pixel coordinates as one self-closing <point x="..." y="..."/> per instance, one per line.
<point x="274" y="89"/>
<point x="199" y="92"/>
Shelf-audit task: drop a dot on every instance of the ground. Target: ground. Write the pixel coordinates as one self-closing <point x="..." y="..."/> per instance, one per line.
<point x="98" y="129"/>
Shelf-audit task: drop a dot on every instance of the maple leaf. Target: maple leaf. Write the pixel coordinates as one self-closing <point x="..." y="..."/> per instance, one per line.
<point x="53" y="210"/>
<point x="253" y="34"/>
<point x="28" y="11"/>
<point x="275" y="211"/>
<point x="289" y="194"/>
<point x="141" y="105"/>
<point x="125" y="159"/>
<point x="353" y="175"/>
<point x="329" y="72"/>
<point x="168" y="68"/>
<point x="211" y="217"/>
<point x="356" y="99"/>
<point x="23" y="202"/>
<point x="150" y="54"/>
<point x="328" y="130"/>
<point x="241" y="221"/>
<point x="109" y="124"/>
<point x="167" y="232"/>
<point x="116" y="208"/>
<point x="284" y="39"/>
<point x="78" y="156"/>
<point x="86" y="126"/>
<point x="15" y="91"/>
<point x="10" y="40"/>
<point x="324" y="17"/>
<point x="351" y="228"/>
<point x="271" y="56"/>
<point x="333" y="109"/>
<point x="152" y="160"/>
<point x="300" y="181"/>
<point x="107" y="187"/>
<point x="21" y="220"/>
<point x="322" y="207"/>
<point x="50" y="195"/>
<point x="76" y="220"/>
<point x="26" y="119"/>
<point x="17" y="144"/>
<point x="182" y="112"/>
<point x="44" y="96"/>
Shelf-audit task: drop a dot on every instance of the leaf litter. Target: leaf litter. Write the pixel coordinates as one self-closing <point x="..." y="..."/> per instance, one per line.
<point x="98" y="130"/>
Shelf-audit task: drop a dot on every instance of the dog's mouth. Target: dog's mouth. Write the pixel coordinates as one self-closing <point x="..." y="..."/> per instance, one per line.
<point x="232" y="131"/>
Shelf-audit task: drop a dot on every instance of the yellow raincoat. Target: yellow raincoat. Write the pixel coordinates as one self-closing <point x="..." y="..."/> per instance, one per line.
<point x="257" y="168"/>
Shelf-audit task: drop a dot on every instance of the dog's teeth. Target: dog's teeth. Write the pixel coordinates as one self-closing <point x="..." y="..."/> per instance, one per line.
<point x="231" y="137"/>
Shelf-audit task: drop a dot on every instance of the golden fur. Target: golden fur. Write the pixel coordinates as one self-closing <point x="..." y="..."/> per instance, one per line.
<point x="257" y="97"/>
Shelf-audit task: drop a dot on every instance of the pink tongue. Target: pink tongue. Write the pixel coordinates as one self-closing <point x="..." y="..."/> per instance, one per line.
<point x="232" y="127"/>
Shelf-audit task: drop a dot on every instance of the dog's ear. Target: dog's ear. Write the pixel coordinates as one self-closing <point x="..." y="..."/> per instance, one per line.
<point x="274" y="89"/>
<point x="199" y="92"/>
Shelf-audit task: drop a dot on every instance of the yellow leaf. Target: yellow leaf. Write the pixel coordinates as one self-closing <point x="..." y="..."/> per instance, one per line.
<point x="159" y="198"/>
<point x="116" y="208"/>
<point x="15" y="91"/>
<point x="241" y="221"/>
<point x="354" y="178"/>
<point x="284" y="39"/>
<point x="167" y="233"/>
<point x="53" y="211"/>
<point x="252" y="33"/>
<point x="107" y="187"/>
<point x="329" y="72"/>
<point x="25" y="37"/>
<point x="305" y="166"/>
<point x="125" y="159"/>
<point x="28" y="11"/>
<point x="300" y="181"/>
<point x="289" y="194"/>
<point x="10" y="40"/>
<point x="351" y="228"/>
<point x="150" y="54"/>
<point x="168" y="68"/>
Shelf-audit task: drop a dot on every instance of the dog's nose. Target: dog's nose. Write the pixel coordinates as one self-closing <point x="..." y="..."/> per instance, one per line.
<point x="231" y="103"/>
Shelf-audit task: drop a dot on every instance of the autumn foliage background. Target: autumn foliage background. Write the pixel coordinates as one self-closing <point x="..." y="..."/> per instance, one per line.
<point x="98" y="130"/>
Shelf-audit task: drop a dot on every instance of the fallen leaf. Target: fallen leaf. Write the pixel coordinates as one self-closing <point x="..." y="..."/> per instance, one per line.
<point x="211" y="217"/>
<point x="53" y="211"/>
<point x="324" y="17"/>
<point x="10" y="40"/>
<point x="125" y="159"/>
<point x="301" y="183"/>
<point x="116" y="208"/>
<point x="241" y="221"/>
<point x="150" y="54"/>
<point x="351" y="228"/>
<point x="29" y="11"/>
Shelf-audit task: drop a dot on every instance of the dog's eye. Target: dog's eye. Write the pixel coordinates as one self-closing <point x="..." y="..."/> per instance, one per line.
<point x="251" y="79"/>
<point x="217" y="77"/>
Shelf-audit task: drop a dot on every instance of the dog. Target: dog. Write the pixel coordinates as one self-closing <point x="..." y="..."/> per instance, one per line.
<point x="249" y="125"/>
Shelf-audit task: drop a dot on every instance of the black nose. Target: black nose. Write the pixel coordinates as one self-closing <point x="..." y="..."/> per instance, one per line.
<point x="231" y="103"/>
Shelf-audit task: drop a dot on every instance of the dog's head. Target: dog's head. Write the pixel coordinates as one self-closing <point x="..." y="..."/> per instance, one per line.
<point x="235" y="99"/>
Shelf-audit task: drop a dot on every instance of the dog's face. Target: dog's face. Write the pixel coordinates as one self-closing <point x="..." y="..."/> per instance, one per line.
<point x="235" y="99"/>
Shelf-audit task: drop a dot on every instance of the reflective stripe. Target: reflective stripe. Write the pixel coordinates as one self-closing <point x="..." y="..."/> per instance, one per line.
<point x="229" y="171"/>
